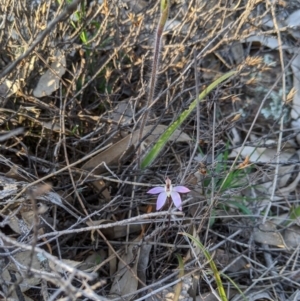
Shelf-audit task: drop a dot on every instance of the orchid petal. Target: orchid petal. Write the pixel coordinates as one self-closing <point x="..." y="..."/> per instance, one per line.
<point x="156" y="190"/>
<point x="176" y="199"/>
<point x="161" y="200"/>
<point x="181" y="189"/>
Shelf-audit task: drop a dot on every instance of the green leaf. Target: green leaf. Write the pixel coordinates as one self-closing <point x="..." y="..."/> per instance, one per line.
<point x="295" y="212"/>
<point x="156" y="149"/>
<point x="164" y="4"/>
<point x="212" y="218"/>
<point x="294" y="215"/>
<point x="244" y="209"/>
<point x="229" y="181"/>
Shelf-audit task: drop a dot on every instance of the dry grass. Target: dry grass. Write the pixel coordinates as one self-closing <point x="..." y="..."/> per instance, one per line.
<point x="99" y="212"/>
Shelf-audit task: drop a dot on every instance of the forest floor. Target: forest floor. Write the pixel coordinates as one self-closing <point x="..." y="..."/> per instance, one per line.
<point x="76" y="127"/>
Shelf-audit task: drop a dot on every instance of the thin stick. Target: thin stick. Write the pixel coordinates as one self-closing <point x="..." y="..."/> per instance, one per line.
<point x="279" y="145"/>
<point x="144" y="218"/>
<point x="197" y="116"/>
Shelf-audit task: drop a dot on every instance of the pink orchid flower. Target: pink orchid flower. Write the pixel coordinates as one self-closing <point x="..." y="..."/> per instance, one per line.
<point x="167" y="192"/>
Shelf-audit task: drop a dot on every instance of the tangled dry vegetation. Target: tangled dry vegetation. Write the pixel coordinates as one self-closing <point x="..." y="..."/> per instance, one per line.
<point x="76" y="222"/>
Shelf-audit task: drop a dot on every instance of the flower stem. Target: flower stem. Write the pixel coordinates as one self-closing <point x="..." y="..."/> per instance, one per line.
<point x="164" y="8"/>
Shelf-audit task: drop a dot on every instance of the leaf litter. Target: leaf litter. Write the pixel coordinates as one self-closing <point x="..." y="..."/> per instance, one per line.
<point x="85" y="100"/>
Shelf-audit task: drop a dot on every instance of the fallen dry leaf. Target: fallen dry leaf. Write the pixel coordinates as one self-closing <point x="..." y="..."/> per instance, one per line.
<point x="122" y="113"/>
<point x="291" y="236"/>
<point x="293" y="23"/>
<point x="112" y="155"/>
<point x="143" y="262"/>
<point x="125" y="282"/>
<point x="49" y="81"/>
<point x="23" y="258"/>
<point x="268" y="234"/>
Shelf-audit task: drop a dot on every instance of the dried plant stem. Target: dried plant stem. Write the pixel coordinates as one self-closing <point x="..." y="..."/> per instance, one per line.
<point x="164" y="7"/>
<point x="197" y="120"/>
<point x="141" y="219"/>
<point x="279" y="145"/>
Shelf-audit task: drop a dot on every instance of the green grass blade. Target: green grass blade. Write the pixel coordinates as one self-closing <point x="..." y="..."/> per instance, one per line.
<point x="244" y="209"/>
<point x="236" y="286"/>
<point x="213" y="267"/>
<point x="153" y="153"/>
<point x="164" y="5"/>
